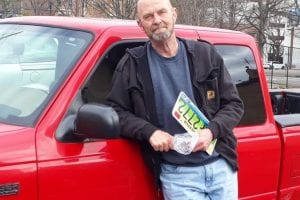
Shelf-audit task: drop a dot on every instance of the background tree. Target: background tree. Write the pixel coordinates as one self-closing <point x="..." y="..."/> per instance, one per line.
<point x="260" y="13"/>
<point x="192" y="12"/>
<point x="228" y="14"/>
<point x="36" y="7"/>
<point x="122" y="9"/>
<point x="256" y="17"/>
<point x="10" y="8"/>
<point x="212" y="13"/>
<point x="75" y="8"/>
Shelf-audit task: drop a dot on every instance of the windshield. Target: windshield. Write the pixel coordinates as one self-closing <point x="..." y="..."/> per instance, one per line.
<point x="34" y="60"/>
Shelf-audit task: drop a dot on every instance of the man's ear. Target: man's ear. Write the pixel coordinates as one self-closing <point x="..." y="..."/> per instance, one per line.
<point x="174" y="12"/>
<point x="138" y="21"/>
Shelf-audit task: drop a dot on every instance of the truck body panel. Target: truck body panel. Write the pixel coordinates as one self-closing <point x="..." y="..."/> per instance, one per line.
<point x="18" y="166"/>
<point x="41" y="165"/>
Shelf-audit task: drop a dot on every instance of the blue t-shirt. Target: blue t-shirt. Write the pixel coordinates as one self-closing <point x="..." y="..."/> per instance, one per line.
<point x="169" y="77"/>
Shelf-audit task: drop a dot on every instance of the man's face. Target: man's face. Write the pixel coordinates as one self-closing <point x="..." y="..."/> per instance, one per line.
<point x="157" y="18"/>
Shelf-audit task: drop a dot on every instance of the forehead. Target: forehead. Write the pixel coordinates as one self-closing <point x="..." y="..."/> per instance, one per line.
<point x="146" y="6"/>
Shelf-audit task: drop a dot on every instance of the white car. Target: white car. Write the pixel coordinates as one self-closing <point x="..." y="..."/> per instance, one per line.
<point x="274" y="65"/>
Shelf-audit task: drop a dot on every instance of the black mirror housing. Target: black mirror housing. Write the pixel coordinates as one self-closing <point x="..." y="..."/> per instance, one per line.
<point x="97" y="121"/>
<point x="92" y="121"/>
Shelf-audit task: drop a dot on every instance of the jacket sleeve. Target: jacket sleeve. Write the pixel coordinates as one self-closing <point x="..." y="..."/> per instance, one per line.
<point x="231" y="107"/>
<point x="120" y="99"/>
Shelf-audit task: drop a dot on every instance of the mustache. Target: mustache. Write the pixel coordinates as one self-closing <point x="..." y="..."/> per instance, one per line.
<point x="155" y="27"/>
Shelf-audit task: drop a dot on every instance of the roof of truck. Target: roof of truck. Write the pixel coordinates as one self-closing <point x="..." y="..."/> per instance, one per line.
<point x="91" y="24"/>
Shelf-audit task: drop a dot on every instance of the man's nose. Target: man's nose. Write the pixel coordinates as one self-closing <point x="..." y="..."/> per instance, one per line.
<point x="156" y="18"/>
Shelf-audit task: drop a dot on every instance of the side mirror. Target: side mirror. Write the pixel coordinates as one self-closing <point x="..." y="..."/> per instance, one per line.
<point x="97" y="121"/>
<point x="92" y="121"/>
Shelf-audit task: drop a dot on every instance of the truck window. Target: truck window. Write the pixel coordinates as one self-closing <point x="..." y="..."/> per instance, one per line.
<point x="97" y="87"/>
<point x="240" y="62"/>
<point x="34" y="60"/>
<point x="238" y="59"/>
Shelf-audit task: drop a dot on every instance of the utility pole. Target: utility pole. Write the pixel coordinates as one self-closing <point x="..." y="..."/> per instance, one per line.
<point x="291" y="46"/>
<point x="290" y="60"/>
<point x="294" y="17"/>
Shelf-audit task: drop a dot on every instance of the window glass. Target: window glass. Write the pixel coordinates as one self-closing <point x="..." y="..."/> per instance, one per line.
<point x="35" y="61"/>
<point x="240" y="62"/>
<point x="238" y="59"/>
<point x="99" y="84"/>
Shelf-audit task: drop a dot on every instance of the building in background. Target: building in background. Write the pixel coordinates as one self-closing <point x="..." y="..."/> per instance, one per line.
<point x="283" y="40"/>
<point x="291" y="54"/>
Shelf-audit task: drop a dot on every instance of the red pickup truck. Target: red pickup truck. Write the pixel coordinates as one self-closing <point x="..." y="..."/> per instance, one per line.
<point x="59" y="141"/>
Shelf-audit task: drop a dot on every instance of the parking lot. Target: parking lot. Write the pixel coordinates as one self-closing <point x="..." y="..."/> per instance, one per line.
<point x="278" y="78"/>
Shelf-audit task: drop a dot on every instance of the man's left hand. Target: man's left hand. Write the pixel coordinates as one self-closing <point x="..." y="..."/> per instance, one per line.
<point x="205" y="138"/>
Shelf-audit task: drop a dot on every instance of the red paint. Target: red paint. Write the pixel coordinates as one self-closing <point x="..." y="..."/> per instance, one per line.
<point x="114" y="169"/>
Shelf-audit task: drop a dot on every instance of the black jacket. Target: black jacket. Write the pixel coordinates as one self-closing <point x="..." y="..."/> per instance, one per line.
<point x="132" y="96"/>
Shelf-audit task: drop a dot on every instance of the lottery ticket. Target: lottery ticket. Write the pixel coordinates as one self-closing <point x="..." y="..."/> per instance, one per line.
<point x="192" y="120"/>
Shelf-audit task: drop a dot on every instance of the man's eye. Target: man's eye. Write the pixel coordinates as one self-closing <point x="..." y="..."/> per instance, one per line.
<point x="147" y="17"/>
<point x="162" y="12"/>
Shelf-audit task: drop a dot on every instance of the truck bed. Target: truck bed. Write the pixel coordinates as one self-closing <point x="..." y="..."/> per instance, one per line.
<point x="286" y="106"/>
<point x="285" y="101"/>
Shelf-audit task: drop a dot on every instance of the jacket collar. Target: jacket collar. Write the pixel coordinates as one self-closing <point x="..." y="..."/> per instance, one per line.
<point x="194" y="49"/>
<point x="140" y="51"/>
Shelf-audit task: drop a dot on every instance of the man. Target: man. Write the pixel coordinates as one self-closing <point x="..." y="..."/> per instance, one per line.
<point x="146" y="84"/>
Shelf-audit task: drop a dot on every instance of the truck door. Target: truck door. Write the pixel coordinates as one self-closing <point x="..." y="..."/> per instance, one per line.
<point x="258" y="140"/>
<point x="94" y="169"/>
<point x="259" y="147"/>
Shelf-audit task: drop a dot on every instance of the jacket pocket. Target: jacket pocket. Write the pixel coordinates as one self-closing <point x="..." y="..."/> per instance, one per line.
<point x="211" y="95"/>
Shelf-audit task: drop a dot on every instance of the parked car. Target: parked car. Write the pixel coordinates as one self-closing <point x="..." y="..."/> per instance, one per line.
<point x="273" y="65"/>
<point x="58" y="139"/>
<point x="266" y="66"/>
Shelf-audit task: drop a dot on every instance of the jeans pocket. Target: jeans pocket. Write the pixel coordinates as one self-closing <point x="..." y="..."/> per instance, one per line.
<point x="169" y="169"/>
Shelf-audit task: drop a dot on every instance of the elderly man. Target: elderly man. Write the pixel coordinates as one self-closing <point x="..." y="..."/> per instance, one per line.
<point x="146" y="84"/>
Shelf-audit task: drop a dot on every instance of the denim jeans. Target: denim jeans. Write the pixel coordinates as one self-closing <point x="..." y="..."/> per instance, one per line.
<point x="213" y="181"/>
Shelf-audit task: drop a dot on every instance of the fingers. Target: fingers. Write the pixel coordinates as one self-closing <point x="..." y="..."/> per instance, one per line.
<point x="205" y="138"/>
<point x="161" y="141"/>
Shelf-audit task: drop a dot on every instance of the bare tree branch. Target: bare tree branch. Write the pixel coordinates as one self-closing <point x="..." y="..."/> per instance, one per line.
<point x="123" y="9"/>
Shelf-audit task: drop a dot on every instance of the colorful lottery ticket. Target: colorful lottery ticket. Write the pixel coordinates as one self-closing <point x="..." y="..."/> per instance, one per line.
<point x="190" y="117"/>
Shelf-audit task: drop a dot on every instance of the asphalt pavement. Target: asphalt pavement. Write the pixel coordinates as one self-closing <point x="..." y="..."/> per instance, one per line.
<point x="279" y="78"/>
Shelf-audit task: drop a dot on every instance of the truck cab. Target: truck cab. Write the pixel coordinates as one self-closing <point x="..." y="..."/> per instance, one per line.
<point x="58" y="139"/>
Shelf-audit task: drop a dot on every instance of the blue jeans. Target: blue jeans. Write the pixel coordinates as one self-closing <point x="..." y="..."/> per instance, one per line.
<point x="213" y="181"/>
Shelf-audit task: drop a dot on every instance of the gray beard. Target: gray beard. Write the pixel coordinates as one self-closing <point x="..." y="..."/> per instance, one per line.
<point x="161" y="36"/>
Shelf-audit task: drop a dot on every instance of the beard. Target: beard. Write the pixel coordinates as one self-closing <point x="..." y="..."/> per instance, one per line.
<point x="161" y="36"/>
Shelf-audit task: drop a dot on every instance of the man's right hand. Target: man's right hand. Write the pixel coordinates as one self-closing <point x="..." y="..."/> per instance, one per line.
<point x="161" y="141"/>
